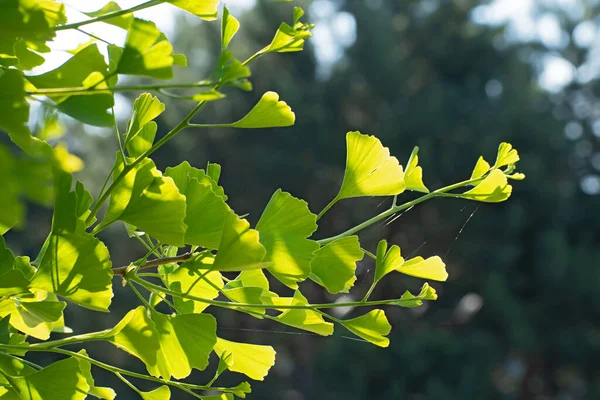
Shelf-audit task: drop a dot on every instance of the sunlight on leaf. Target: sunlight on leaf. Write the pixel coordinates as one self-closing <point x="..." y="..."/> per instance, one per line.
<point x="252" y="360"/>
<point x="387" y="260"/>
<point x="372" y="327"/>
<point x="430" y="268"/>
<point x="103" y="393"/>
<point x="413" y="177"/>
<point x="506" y="155"/>
<point x="284" y="227"/>
<point x="160" y="393"/>
<point x="229" y="27"/>
<point x="137" y="335"/>
<point x="370" y="170"/>
<point x="289" y="38"/>
<point x="410" y="300"/>
<point x="206" y="9"/>
<point x="240" y="248"/>
<point x="334" y="265"/>
<point x="481" y="168"/>
<point x="493" y="189"/>
<point x="307" y="320"/>
<point x="148" y="200"/>
<point x="122" y="21"/>
<point x="269" y="112"/>
<point x="141" y="130"/>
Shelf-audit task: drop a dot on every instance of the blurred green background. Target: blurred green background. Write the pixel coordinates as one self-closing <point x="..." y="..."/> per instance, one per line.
<point x="519" y="316"/>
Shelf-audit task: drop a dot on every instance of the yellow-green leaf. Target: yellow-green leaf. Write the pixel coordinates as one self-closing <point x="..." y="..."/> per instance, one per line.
<point x="493" y="189"/>
<point x="480" y="169"/>
<point x="269" y="112"/>
<point x="205" y="9"/>
<point x="305" y="319"/>
<point x="413" y="177"/>
<point x="122" y="21"/>
<point x="430" y="268"/>
<point x="284" y="227"/>
<point x="229" y="27"/>
<point x="387" y="261"/>
<point x="373" y="327"/>
<point x="506" y="155"/>
<point x="252" y="360"/>
<point x="370" y="170"/>
<point x="240" y="248"/>
<point x="334" y="265"/>
<point x="160" y="393"/>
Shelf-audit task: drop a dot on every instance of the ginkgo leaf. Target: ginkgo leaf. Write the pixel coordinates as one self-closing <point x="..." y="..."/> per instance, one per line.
<point x="140" y="133"/>
<point x="229" y="27"/>
<point x="334" y="265"/>
<point x="148" y="200"/>
<point x="284" y="227"/>
<point x="289" y="38"/>
<point x="86" y="68"/>
<point x="413" y="176"/>
<point x="431" y="268"/>
<point x="136" y="334"/>
<point x="370" y="170"/>
<point x="249" y="295"/>
<point x="252" y="360"/>
<point x="182" y="174"/>
<point x="191" y="278"/>
<point x="387" y="260"/>
<point x="73" y="263"/>
<point x="122" y="21"/>
<point x="373" y="327"/>
<point x="103" y="393"/>
<point x="250" y="278"/>
<point x="481" y="168"/>
<point x="410" y="300"/>
<point x="308" y="320"/>
<point x="269" y="112"/>
<point x="506" y="155"/>
<point x="60" y="380"/>
<point x="493" y="189"/>
<point x="147" y="52"/>
<point x="186" y="342"/>
<point x="230" y="71"/>
<point x="13" y="282"/>
<point x="160" y="393"/>
<point x="7" y="259"/>
<point x="32" y="318"/>
<point x="240" y="248"/>
<point x="15" y="116"/>
<point x="206" y="9"/>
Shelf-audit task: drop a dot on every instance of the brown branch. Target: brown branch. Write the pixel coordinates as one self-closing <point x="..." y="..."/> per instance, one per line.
<point x="155" y="263"/>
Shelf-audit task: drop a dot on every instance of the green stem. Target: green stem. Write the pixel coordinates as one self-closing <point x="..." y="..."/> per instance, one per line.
<point x="393" y="210"/>
<point x="156" y="262"/>
<point x="123" y="88"/>
<point x="114" y="14"/>
<point x="230" y="304"/>
<point x="118" y="136"/>
<point x="327" y="207"/>
<point x="211" y="126"/>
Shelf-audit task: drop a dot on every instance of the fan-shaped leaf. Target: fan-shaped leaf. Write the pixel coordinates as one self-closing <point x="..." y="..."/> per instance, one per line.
<point x="160" y="393"/>
<point x="430" y="268"/>
<point x="229" y="27"/>
<point x="372" y="327"/>
<point x="493" y="189"/>
<point x="122" y="21"/>
<point x="387" y="261"/>
<point x="410" y="300"/>
<point x="148" y="200"/>
<point x="506" y="155"/>
<point x="239" y="248"/>
<point x="481" y="168"/>
<point x="206" y="9"/>
<point x="334" y="265"/>
<point x="305" y="319"/>
<point x="284" y="227"/>
<point x="289" y="38"/>
<point x="269" y="112"/>
<point x="252" y="360"/>
<point x="413" y="177"/>
<point x="370" y="170"/>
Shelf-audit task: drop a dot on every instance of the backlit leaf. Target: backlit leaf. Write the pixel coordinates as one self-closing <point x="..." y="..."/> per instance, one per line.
<point x="413" y="177"/>
<point x="305" y="319"/>
<point x="289" y="38"/>
<point x="140" y="129"/>
<point x="206" y="9"/>
<point x="269" y="112"/>
<point x="160" y="393"/>
<point x="334" y="265"/>
<point x="122" y="21"/>
<point x="480" y="169"/>
<point x="506" y="155"/>
<point x="148" y="200"/>
<point x="60" y="380"/>
<point x="32" y="318"/>
<point x="370" y="170"/>
<point x="284" y="227"/>
<point x="431" y="268"/>
<point x="240" y="248"/>
<point x="103" y="393"/>
<point x="387" y="261"/>
<point x="147" y="52"/>
<point x="72" y="263"/>
<point x="372" y="327"/>
<point x="493" y="189"/>
<point x="410" y="300"/>
<point x="185" y="341"/>
<point x="229" y="27"/>
<point x="252" y="360"/>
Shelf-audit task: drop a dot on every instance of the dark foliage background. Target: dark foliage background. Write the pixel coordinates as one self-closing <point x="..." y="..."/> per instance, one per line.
<point x="518" y="318"/>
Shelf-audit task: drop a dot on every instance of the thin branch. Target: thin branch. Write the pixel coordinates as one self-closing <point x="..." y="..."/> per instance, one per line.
<point x="156" y="262"/>
<point x="123" y="88"/>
